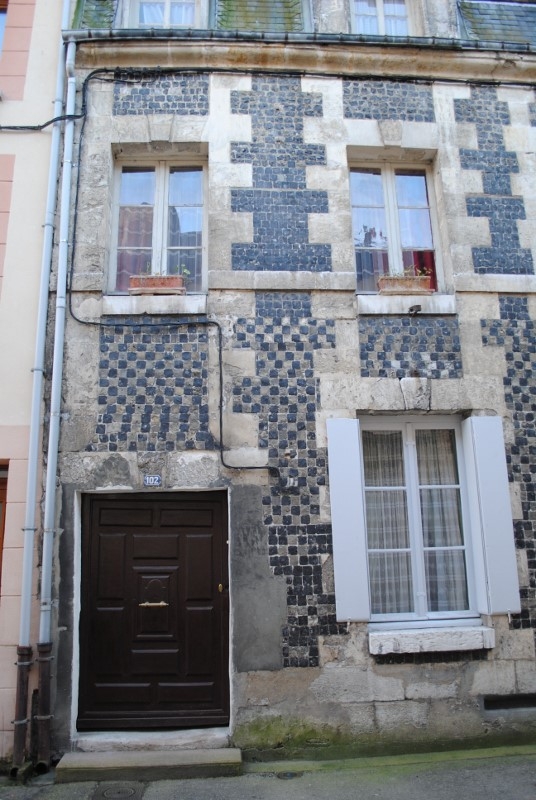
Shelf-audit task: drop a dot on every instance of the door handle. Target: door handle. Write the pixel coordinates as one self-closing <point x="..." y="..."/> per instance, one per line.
<point x="161" y="604"/>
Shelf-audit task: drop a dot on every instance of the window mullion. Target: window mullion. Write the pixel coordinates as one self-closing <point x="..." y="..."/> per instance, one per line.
<point x="381" y="17"/>
<point x="391" y="211"/>
<point x="415" y="525"/>
<point x="160" y="220"/>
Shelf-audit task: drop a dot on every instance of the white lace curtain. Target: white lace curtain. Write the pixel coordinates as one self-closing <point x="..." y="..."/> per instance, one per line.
<point x="393" y="552"/>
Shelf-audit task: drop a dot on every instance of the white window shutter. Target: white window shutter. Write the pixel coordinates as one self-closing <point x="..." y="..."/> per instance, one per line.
<point x="348" y="520"/>
<point x="491" y="516"/>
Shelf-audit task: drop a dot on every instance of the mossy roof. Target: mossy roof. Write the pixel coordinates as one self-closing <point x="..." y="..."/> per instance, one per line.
<point x="494" y="21"/>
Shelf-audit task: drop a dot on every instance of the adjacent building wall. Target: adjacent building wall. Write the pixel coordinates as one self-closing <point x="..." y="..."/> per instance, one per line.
<point x="27" y="79"/>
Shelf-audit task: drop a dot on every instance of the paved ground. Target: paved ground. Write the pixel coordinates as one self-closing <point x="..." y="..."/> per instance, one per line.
<point x="479" y="775"/>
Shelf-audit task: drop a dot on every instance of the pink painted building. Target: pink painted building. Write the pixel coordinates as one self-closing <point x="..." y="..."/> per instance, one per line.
<point x="30" y="31"/>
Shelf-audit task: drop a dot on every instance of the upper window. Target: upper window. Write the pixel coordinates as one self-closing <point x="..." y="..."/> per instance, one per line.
<point x="261" y="15"/>
<point x="163" y="14"/>
<point x="421" y="518"/>
<point x="392" y="224"/>
<point x="380" y="17"/>
<point x="159" y="228"/>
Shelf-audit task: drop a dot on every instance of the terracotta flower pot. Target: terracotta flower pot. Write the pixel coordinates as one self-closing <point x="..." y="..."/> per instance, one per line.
<point x="405" y="284"/>
<point x="156" y="284"/>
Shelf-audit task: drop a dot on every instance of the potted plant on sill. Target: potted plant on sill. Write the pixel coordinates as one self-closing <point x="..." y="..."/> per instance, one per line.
<point x="148" y="283"/>
<point x="414" y="280"/>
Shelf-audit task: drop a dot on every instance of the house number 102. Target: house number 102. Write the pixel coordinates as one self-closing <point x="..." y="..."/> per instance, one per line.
<point x="152" y="480"/>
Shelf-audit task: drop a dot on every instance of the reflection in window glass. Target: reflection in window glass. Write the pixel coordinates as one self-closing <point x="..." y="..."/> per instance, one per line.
<point x="185" y="225"/>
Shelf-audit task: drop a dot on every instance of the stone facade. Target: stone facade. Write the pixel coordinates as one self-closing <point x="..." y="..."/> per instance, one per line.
<point x="231" y="390"/>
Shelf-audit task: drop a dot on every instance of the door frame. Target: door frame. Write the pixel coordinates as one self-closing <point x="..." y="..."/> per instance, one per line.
<point x="75" y="734"/>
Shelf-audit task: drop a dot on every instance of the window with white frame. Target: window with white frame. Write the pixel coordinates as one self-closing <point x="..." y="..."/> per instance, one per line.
<point x="380" y="17"/>
<point x="262" y="15"/>
<point x="159" y="228"/>
<point x="417" y="558"/>
<point x="392" y="223"/>
<point x="421" y="518"/>
<point x="164" y="14"/>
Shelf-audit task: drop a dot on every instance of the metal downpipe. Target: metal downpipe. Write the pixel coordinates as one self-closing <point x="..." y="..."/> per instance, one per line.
<point x="24" y="650"/>
<point x="49" y="522"/>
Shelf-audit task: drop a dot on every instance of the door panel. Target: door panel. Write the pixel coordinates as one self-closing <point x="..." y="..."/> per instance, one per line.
<point x="154" y="621"/>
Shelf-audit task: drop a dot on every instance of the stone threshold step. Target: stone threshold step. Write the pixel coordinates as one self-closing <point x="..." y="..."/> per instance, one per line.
<point x="148" y="765"/>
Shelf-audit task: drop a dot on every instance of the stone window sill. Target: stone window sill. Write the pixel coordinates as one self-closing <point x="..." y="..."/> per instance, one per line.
<point x="431" y="640"/>
<point x="132" y="305"/>
<point x="381" y="304"/>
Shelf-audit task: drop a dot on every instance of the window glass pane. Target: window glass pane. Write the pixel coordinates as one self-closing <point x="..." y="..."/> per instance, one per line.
<point x="396" y="26"/>
<point x="415" y="228"/>
<point x="411" y="189"/>
<point x="370" y="229"/>
<point x="387" y="520"/>
<point x="370" y="264"/>
<point x="413" y="210"/>
<point x="446" y="584"/>
<point x="366" y="188"/>
<point x="420" y="262"/>
<point x="186" y="187"/>
<point x="151" y="14"/>
<point x="137" y="186"/>
<point x="185" y="226"/>
<point x="131" y="262"/>
<point x="441" y="516"/>
<point x="396" y="23"/>
<point x="391" y="588"/>
<point x="382" y="458"/>
<point x="187" y="263"/>
<point x="368" y="211"/>
<point x="182" y="14"/>
<point x="436" y="456"/>
<point x="135" y="226"/>
<point x="366" y="17"/>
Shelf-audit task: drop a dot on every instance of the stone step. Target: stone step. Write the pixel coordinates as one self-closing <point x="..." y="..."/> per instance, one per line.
<point x="148" y="765"/>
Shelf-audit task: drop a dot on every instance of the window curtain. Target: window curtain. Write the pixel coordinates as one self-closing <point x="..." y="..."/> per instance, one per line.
<point x="152" y="14"/>
<point x="441" y="517"/>
<point x="391" y="584"/>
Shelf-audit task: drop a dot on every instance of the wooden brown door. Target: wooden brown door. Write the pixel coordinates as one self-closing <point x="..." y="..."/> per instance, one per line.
<point x="154" y="616"/>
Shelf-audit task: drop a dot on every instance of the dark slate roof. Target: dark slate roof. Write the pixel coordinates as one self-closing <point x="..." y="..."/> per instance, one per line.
<point x="95" y="14"/>
<point x="494" y="21"/>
